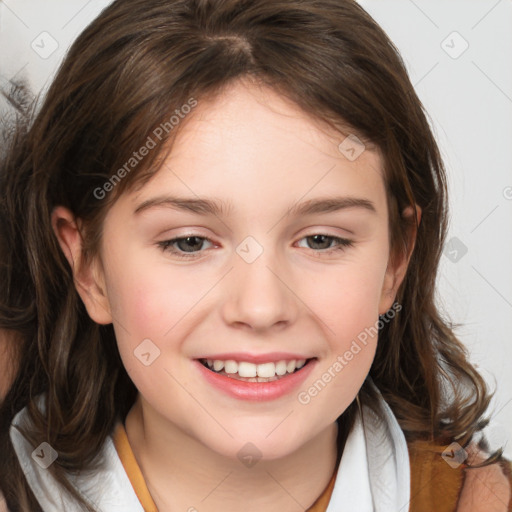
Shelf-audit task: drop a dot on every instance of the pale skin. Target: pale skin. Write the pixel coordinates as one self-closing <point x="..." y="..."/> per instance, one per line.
<point x="263" y="155"/>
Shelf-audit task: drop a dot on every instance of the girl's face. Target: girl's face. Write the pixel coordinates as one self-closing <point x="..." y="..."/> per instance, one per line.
<point x="287" y="260"/>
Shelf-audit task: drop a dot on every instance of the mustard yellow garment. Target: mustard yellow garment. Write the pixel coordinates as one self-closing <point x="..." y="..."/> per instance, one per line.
<point x="435" y="485"/>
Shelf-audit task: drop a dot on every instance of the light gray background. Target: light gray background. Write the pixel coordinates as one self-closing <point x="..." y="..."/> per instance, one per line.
<point x="468" y="94"/>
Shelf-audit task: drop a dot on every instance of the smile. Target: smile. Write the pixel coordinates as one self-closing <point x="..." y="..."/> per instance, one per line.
<point x="250" y="372"/>
<point x="230" y="377"/>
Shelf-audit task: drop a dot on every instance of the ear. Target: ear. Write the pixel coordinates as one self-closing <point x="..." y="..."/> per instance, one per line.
<point x="398" y="263"/>
<point x="89" y="278"/>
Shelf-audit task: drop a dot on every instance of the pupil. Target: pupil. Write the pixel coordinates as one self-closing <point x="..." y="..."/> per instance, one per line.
<point x="316" y="240"/>
<point x="187" y="241"/>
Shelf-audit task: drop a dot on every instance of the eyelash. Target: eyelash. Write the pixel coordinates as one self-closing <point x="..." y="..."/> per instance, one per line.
<point x="166" y="245"/>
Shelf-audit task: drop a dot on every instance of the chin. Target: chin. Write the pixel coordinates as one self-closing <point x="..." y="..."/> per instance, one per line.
<point x="258" y="440"/>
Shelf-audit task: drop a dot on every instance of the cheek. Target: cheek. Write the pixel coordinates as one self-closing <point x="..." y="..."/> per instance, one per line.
<point x="347" y="298"/>
<point x="149" y="297"/>
<point x="152" y="300"/>
<point x="350" y="329"/>
<point x="145" y="313"/>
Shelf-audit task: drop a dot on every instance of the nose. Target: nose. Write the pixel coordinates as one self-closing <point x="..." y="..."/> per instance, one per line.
<point x="259" y="295"/>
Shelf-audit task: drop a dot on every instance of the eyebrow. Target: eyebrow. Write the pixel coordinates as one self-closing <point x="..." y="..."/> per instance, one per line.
<point x="219" y="208"/>
<point x="198" y="206"/>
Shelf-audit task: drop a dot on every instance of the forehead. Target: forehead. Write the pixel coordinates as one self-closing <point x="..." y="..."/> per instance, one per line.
<point x="251" y="142"/>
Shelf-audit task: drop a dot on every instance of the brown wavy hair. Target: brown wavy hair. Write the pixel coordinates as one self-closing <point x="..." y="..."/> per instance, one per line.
<point x="127" y="73"/>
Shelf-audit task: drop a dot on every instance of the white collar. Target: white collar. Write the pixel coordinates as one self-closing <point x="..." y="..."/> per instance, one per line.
<point x="373" y="474"/>
<point x="108" y="489"/>
<point x="374" y="470"/>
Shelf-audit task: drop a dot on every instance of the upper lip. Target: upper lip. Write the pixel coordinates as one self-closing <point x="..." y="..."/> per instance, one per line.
<point x="272" y="357"/>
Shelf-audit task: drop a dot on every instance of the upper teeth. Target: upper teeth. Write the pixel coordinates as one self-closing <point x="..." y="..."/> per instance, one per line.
<point x="245" y="369"/>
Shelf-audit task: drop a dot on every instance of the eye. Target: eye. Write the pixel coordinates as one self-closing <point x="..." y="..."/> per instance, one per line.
<point x="325" y="241"/>
<point x="190" y="246"/>
<point x="187" y="246"/>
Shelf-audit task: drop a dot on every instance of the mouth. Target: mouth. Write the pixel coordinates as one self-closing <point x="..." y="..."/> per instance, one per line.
<point x="249" y="372"/>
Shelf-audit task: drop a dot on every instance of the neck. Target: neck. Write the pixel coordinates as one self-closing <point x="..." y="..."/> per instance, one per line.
<point x="183" y="474"/>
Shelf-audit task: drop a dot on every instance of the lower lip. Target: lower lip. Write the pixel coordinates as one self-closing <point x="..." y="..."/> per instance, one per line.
<point x="257" y="391"/>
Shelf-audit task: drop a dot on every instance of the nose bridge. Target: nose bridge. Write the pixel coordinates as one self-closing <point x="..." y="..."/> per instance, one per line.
<point x="258" y="295"/>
